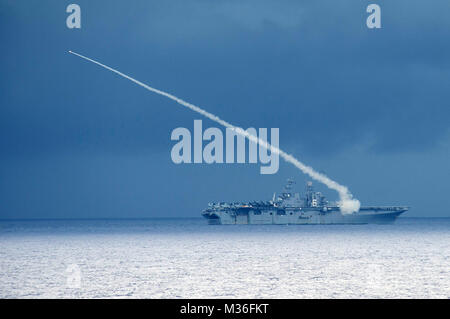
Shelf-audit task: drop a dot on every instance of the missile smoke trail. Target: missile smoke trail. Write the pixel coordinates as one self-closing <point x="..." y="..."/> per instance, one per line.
<point x="347" y="203"/>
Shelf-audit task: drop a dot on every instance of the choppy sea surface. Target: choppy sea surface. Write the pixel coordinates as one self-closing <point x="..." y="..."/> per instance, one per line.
<point x="186" y="258"/>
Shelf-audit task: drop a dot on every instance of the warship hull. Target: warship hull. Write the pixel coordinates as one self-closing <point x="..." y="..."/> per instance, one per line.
<point x="304" y="217"/>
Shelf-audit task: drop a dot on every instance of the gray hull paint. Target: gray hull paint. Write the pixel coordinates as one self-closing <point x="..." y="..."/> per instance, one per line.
<point x="271" y="217"/>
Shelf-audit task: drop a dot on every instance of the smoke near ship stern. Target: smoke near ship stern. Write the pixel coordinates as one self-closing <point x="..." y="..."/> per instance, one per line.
<point x="347" y="203"/>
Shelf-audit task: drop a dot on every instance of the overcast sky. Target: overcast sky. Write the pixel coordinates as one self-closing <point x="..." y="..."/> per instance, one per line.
<point x="369" y="108"/>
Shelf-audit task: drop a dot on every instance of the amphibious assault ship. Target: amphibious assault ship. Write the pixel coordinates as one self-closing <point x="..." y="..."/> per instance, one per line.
<point x="290" y="208"/>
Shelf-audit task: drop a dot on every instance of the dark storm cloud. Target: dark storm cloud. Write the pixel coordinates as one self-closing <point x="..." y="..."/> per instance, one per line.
<point x="77" y="141"/>
<point x="313" y="69"/>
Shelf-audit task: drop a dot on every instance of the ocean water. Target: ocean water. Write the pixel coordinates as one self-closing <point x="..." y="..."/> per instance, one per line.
<point x="186" y="258"/>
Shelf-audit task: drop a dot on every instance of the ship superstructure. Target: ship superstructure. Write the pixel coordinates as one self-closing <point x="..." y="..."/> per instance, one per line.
<point x="290" y="208"/>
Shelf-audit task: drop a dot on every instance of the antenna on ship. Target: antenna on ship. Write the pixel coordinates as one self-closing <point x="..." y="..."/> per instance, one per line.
<point x="287" y="188"/>
<point x="289" y="184"/>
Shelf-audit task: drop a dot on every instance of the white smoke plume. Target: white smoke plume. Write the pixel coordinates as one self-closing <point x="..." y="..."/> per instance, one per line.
<point x="347" y="203"/>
